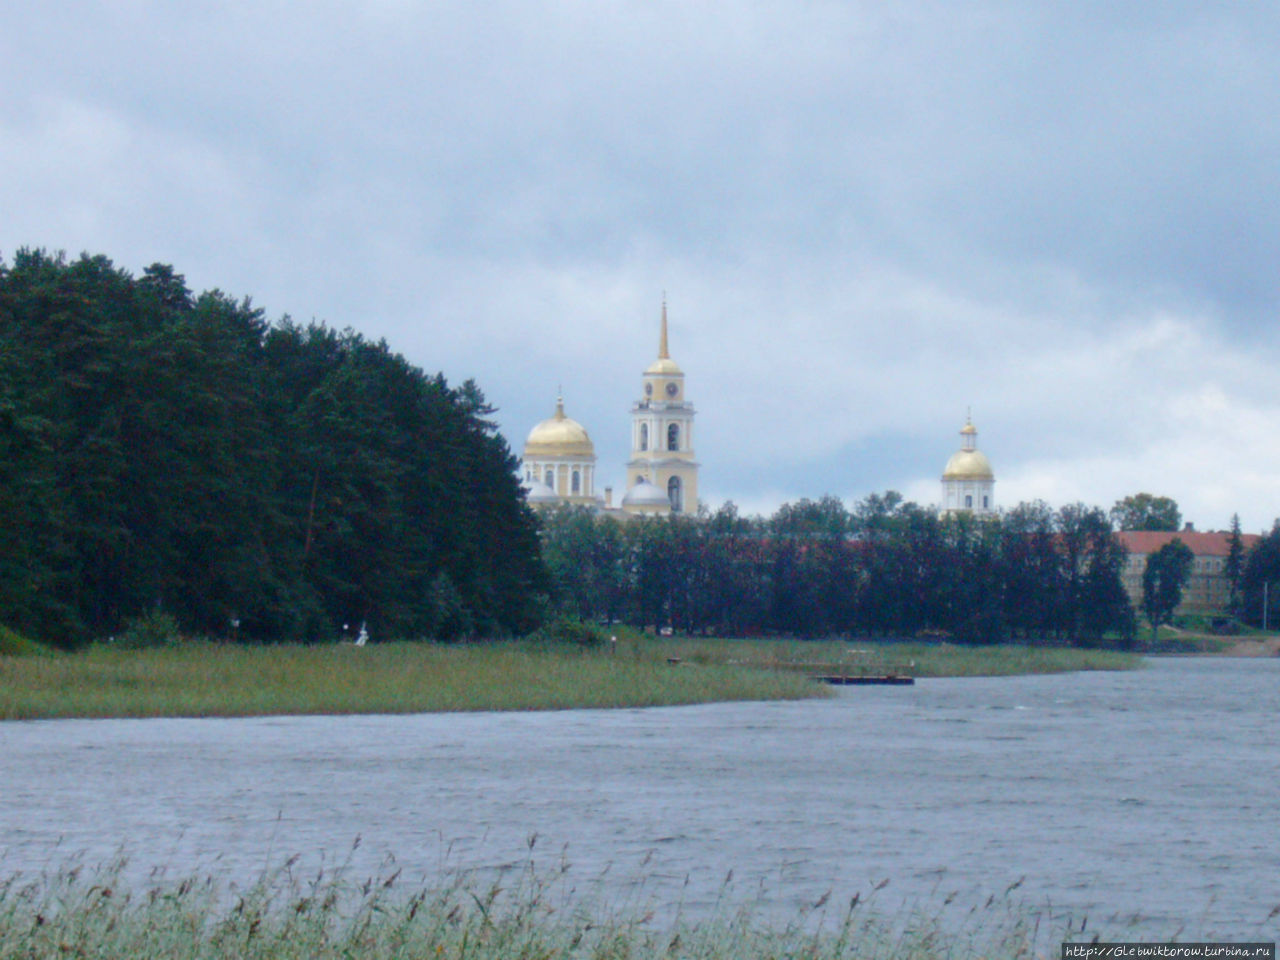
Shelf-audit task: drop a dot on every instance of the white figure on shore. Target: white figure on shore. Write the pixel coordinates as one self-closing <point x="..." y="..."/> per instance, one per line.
<point x="363" y="637"/>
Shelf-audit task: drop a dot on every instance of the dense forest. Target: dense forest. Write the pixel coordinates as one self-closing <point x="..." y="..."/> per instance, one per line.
<point x="887" y="568"/>
<point x="164" y="451"/>
<point x="168" y="455"/>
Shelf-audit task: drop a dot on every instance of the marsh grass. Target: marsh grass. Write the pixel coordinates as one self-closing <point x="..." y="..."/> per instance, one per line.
<point x="518" y="914"/>
<point x="201" y="679"/>
<point x="206" y="679"/>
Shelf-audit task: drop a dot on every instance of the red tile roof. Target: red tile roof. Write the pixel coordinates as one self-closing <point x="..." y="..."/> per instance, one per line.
<point x="1213" y="543"/>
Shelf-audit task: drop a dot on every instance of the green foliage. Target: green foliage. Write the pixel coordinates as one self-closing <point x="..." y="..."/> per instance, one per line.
<point x="155" y="628"/>
<point x="13" y="644"/>
<point x="1233" y="569"/>
<point x="1163" y="579"/>
<point x="1144" y="511"/>
<point x="158" y="446"/>
<point x="567" y="630"/>
<point x="1261" y="582"/>
<point x="814" y="569"/>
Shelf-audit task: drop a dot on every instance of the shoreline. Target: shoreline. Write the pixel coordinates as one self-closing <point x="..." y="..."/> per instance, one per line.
<point x="202" y="679"/>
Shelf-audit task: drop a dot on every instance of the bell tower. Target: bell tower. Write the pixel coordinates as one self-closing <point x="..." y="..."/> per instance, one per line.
<point x="662" y="432"/>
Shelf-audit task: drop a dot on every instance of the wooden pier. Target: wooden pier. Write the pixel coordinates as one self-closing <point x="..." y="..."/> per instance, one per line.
<point x="867" y="679"/>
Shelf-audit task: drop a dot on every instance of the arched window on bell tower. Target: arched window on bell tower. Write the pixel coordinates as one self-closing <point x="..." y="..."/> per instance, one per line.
<point x="644" y="436"/>
<point x="673" y="437"/>
<point x="673" y="494"/>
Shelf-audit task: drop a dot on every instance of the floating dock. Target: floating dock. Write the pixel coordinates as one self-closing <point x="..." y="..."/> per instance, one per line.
<point x="884" y="679"/>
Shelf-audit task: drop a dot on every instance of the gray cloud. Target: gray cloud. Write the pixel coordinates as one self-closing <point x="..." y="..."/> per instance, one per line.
<point x="868" y="216"/>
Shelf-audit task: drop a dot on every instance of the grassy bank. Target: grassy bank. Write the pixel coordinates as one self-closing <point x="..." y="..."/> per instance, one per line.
<point x="917" y="659"/>
<point x="205" y="679"/>
<point x="519" y="916"/>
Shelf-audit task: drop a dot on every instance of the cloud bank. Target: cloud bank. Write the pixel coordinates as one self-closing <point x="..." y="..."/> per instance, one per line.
<point x="868" y="217"/>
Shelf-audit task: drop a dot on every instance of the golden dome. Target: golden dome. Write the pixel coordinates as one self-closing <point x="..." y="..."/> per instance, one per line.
<point x="558" y="437"/>
<point x="968" y="464"/>
<point x="663" y="367"/>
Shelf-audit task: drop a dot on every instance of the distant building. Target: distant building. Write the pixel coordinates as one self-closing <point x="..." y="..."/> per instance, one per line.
<point x="559" y="462"/>
<point x="1208" y="591"/>
<point x="968" y="482"/>
<point x="662" y="436"/>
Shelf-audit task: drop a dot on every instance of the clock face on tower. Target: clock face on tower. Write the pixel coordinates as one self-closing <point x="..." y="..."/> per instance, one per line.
<point x="672" y="389"/>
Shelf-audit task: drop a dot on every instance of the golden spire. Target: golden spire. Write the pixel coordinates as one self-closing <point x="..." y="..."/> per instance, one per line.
<point x="559" y="405"/>
<point x="662" y="341"/>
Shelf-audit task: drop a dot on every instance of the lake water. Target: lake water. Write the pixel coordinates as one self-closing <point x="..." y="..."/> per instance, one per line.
<point x="1148" y="796"/>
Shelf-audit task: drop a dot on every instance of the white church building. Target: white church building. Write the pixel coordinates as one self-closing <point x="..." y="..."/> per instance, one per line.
<point x="559" y="461"/>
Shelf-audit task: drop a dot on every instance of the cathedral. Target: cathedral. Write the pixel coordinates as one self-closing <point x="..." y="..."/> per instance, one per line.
<point x="559" y="462"/>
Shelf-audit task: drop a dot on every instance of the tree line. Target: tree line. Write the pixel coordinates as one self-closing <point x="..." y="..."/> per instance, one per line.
<point x="164" y="451"/>
<point x="885" y="568"/>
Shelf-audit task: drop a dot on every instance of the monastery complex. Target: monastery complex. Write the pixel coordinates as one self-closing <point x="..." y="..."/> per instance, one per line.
<point x="559" y="461"/>
<point x="559" y="466"/>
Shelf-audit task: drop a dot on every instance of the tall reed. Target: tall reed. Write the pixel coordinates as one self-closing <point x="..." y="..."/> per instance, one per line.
<point x="517" y="915"/>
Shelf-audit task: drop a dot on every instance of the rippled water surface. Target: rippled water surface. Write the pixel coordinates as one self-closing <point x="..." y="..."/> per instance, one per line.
<point x="1151" y="793"/>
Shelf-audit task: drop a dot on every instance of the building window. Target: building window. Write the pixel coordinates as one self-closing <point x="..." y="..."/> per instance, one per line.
<point x="644" y="436"/>
<point x="551" y="479"/>
<point x="986" y="503"/>
<point x="968" y="501"/>
<point x="577" y="482"/>
<point x="673" y="437"/>
<point x="673" y="494"/>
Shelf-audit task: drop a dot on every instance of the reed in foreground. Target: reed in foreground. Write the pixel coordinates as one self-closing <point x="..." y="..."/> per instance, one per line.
<point x="516" y="916"/>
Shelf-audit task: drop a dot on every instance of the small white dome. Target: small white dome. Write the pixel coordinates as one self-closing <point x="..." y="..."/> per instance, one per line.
<point x="538" y="492"/>
<point x="645" y="494"/>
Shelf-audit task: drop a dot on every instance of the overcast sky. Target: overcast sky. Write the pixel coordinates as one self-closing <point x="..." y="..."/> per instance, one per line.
<point x="867" y="217"/>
